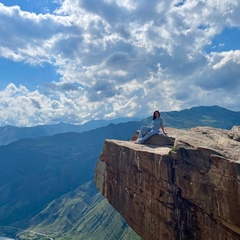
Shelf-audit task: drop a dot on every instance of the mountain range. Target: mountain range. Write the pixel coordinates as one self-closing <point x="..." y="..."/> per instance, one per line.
<point x="10" y="134"/>
<point x="46" y="176"/>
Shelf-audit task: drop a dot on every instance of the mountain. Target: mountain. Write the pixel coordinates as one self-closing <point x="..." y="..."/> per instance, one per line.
<point x="79" y="214"/>
<point x="213" y="116"/>
<point x="10" y="134"/>
<point x="35" y="172"/>
<point x="43" y="179"/>
<point x="196" y="116"/>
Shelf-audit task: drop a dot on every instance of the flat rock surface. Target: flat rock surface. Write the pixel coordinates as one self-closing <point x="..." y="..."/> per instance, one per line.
<point x="143" y="147"/>
<point x="218" y="140"/>
<point x="225" y="143"/>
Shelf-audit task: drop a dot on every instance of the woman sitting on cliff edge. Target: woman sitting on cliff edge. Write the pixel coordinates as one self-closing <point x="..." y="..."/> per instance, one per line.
<point x="152" y="129"/>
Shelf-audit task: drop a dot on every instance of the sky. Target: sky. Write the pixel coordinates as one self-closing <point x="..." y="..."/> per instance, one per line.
<point x="77" y="60"/>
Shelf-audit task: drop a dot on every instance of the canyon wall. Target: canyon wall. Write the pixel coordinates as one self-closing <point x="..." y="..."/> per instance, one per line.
<point x="184" y="186"/>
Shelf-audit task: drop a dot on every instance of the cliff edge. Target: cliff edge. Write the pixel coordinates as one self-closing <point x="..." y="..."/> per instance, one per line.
<point x="187" y="190"/>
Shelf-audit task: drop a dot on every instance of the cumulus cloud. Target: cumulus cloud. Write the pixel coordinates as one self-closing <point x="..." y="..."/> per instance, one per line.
<point x="223" y="72"/>
<point x="119" y="58"/>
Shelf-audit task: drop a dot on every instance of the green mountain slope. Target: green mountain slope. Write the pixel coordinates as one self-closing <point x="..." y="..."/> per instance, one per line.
<point x="81" y="214"/>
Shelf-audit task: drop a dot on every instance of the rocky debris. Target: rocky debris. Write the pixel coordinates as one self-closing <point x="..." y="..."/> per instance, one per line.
<point x="235" y="133"/>
<point x="219" y="140"/>
<point x="190" y="190"/>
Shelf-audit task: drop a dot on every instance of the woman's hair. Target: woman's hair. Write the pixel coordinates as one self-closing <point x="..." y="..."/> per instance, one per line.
<point x="154" y="117"/>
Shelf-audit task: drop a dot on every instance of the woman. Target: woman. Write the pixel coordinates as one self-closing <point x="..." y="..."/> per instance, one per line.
<point x="152" y="129"/>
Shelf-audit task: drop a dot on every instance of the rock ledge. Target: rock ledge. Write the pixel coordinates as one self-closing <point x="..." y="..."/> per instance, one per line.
<point x="188" y="190"/>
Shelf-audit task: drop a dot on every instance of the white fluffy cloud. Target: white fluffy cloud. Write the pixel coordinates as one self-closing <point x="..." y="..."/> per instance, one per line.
<point x="119" y="58"/>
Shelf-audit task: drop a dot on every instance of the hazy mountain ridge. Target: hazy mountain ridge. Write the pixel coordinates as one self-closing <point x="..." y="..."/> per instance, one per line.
<point x="10" y="134"/>
<point x="45" y="170"/>
<point x="197" y="116"/>
<point x="213" y="116"/>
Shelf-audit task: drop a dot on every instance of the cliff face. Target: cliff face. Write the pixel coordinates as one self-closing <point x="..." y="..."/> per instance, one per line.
<point x="187" y="191"/>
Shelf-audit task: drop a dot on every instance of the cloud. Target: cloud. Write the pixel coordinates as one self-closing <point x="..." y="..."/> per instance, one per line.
<point x="223" y="72"/>
<point x="62" y="87"/>
<point x="103" y="90"/>
<point x="119" y="58"/>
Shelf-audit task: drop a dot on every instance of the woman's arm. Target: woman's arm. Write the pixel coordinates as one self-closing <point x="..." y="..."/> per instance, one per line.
<point x="162" y="128"/>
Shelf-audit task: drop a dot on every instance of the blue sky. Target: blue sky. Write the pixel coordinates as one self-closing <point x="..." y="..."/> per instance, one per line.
<point x="77" y="60"/>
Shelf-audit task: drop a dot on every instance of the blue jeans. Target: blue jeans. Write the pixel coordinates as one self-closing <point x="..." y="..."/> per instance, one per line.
<point x="150" y="132"/>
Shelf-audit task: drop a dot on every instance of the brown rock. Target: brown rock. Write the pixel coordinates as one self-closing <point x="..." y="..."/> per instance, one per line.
<point x="235" y="133"/>
<point x="159" y="140"/>
<point x="188" y="191"/>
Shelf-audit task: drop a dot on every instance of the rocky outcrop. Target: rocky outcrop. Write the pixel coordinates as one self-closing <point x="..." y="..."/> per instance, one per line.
<point x="190" y="190"/>
<point x="158" y="140"/>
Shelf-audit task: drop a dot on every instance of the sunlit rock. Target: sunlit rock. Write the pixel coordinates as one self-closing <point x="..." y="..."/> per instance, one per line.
<point x="189" y="190"/>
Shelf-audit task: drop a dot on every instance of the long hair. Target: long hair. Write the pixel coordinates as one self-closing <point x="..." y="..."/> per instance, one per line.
<point x="154" y="117"/>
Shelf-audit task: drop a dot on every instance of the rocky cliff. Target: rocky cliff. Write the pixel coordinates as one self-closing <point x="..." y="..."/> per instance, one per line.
<point x="187" y="190"/>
